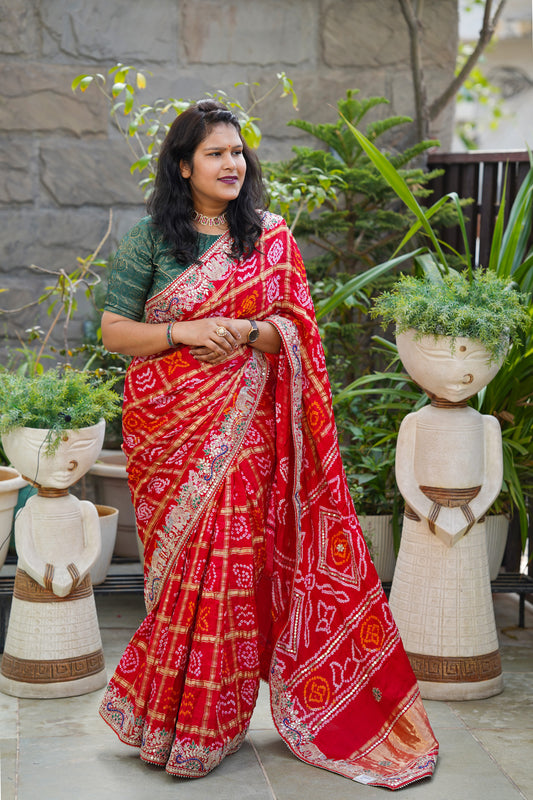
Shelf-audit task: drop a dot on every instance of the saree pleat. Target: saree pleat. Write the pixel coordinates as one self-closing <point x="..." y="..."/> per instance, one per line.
<point x="255" y="564"/>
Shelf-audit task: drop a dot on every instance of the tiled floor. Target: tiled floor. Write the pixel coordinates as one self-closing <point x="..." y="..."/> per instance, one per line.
<point x="60" y="749"/>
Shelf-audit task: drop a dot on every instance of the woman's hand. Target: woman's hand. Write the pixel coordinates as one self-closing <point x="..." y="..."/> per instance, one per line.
<point x="213" y="339"/>
<point x="214" y="351"/>
<point x="123" y="335"/>
<point x="213" y="348"/>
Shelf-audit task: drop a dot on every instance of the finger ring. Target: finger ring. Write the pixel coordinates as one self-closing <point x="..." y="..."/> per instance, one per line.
<point x="221" y="331"/>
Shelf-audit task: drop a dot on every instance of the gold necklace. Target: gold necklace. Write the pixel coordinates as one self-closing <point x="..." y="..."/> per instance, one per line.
<point x="211" y="222"/>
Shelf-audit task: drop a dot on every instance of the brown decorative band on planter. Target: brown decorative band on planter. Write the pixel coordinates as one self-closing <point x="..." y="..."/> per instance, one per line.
<point x="26" y="588"/>
<point x="58" y="671"/>
<point x="456" y="669"/>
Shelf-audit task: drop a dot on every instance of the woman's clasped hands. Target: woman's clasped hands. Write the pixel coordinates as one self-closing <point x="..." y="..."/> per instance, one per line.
<point x="212" y="339"/>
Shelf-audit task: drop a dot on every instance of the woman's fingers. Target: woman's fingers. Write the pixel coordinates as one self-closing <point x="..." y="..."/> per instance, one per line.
<point x="226" y="331"/>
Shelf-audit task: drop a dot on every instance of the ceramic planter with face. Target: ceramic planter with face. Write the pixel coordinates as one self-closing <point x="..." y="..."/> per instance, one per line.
<point x="77" y="452"/>
<point x="53" y="646"/>
<point x="451" y="370"/>
<point x="449" y="470"/>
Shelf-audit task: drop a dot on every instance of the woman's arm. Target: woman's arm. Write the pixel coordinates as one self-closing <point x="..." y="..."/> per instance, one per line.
<point x="123" y="335"/>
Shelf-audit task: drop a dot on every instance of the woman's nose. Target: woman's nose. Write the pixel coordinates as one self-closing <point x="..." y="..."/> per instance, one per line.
<point x="229" y="160"/>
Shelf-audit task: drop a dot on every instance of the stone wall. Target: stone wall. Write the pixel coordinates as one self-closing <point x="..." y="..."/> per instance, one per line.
<point x="62" y="164"/>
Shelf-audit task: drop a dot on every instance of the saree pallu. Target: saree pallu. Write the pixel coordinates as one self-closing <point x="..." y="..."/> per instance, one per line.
<point x="255" y="565"/>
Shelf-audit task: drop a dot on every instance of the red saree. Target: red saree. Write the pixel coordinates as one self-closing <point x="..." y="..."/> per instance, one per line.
<point x="255" y="565"/>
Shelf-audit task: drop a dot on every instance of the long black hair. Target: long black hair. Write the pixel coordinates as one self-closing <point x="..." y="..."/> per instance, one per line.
<point x="170" y="204"/>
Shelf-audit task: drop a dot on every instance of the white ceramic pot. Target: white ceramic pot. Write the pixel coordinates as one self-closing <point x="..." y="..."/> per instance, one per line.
<point x="452" y="373"/>
<point x="111" y="488"/>
<point x="10" y="483"/>
<point x="108" y="518"/>
<point x="496" y="530"/>
<point x="77" y="451"/>
<point x="377" y="531"/>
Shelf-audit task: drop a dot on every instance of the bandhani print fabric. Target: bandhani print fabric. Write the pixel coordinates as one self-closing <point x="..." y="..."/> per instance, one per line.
<point x="255" y="564"/>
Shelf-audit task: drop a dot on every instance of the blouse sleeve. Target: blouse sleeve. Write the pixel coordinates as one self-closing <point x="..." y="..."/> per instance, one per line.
<point x="131" y="273"/>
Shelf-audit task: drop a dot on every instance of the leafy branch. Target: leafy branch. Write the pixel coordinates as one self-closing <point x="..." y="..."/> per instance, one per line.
<point x="147" y="125"/>
<point x="63" y="293"/>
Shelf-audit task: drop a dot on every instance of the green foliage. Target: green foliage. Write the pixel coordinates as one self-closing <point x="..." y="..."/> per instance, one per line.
<point x="144" y="126"/>
<point x="333" y="196"/>
<point x="509" y="397"/>
<point x="369" y="412"/>
<point x="56" y="401"/>
<point x="486" y="308"/>
<point x="356" y="223"/>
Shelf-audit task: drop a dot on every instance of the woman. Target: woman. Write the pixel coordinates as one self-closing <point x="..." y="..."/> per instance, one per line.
<point x="255" y="565"/>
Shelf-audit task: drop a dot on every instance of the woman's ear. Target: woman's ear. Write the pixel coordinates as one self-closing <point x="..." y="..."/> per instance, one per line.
<point x="185" y="169"/>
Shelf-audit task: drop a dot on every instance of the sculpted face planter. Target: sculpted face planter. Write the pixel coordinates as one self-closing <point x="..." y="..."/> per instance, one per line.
<point x="53" y="646"/>
<point x="449" y="470"/>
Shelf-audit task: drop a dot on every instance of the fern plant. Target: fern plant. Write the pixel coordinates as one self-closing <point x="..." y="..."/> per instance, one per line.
<point x="485" y="308"/>
<point x="55" y="401"/>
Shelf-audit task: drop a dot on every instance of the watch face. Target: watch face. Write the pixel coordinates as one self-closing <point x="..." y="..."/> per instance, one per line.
<point x="254" y="333"/>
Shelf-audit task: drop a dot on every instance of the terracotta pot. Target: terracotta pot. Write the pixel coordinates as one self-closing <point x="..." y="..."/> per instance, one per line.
<point x="10" y="483"/>
<point x="108" y="518"/>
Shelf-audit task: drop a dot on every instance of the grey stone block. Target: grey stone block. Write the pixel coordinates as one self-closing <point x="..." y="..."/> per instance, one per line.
<point x="89" y="173"/>
<point x="252" y="32"/>
<point x="125" y="30"/>
<point x="19" y="27"/>
<point x="16" y="185"/>
<point x="374" y="33"/>
<point x="36" y="97"/>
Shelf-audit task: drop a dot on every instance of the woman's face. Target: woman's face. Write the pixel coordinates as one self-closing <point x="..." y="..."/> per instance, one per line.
<point x="217" y="172"/>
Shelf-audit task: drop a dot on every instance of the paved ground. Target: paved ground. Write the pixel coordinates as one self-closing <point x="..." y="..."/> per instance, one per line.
<point x="60" y="749"/>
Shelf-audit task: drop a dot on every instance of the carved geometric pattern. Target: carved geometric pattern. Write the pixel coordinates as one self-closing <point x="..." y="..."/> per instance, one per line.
<point x="452" y="498"/>
<point x="63" y="669"/>
<point x="26" y="588"/>
<point x="460" y="669"/>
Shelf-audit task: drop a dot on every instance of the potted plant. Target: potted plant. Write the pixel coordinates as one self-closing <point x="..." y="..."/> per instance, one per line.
<point x="41" y="414"/>
<point x="54" y="402"/>
<point x="454" y="328"/>
<point x="10" y="485"/>
<point x="368" y="413"/>
<point x="492" y="305"/>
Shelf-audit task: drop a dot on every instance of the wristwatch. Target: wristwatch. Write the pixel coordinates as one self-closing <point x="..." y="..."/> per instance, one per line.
<point x="254" y="331"/>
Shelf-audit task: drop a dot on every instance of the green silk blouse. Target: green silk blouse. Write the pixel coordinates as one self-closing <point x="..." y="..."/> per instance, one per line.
<point x="142" y="267"/>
